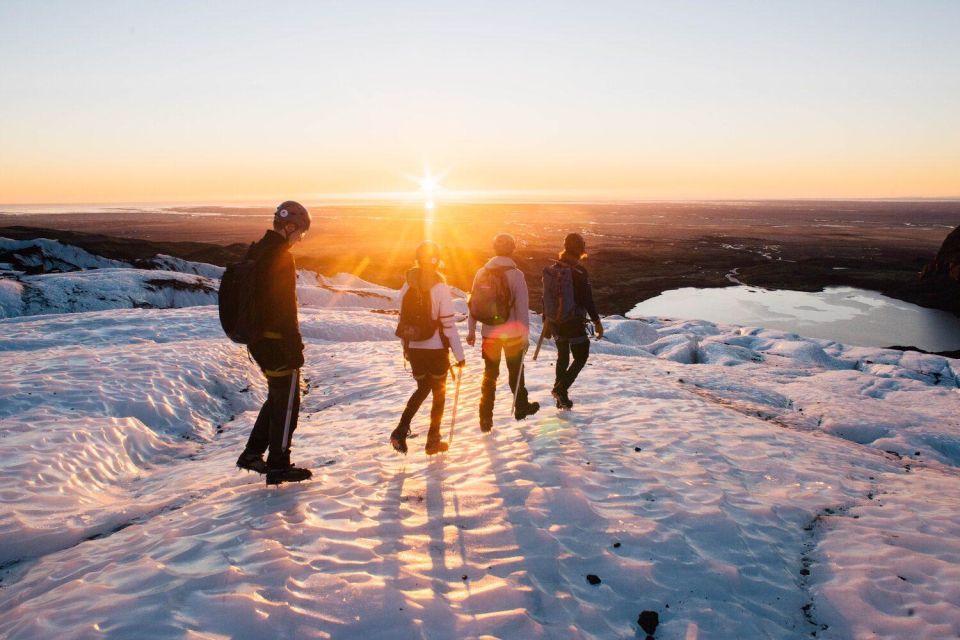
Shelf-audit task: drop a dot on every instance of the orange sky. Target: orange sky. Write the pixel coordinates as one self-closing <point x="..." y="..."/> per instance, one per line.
<point x="647" y="101"/>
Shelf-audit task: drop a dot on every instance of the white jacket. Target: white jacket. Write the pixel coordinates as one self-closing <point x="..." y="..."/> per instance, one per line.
<point x="441" y="304"/>
<point x="518" y="322"/>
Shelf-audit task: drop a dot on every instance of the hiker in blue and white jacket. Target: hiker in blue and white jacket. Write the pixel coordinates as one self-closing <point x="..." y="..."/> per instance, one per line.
<point x="507" y="335"/>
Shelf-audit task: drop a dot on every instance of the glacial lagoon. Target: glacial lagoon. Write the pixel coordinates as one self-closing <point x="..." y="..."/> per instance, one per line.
<point x="845" y="314"/>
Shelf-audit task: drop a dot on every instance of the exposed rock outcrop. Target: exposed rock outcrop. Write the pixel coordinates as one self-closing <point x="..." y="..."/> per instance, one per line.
<point x="940" y="279"/>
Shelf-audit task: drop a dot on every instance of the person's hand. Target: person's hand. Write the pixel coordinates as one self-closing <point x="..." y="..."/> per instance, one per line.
<point x="598" y="327"/>
<point x="471" y="338"/>
<point x="461" y="364"/>
<point x="547" y="331"/>
<point x="296" y="361"/>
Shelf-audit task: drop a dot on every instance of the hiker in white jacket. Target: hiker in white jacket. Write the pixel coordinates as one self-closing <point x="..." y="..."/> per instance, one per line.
<point x="428" y="331"/>
<point x="501" y="303"/>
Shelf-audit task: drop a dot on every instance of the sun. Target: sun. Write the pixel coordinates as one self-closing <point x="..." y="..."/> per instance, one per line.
<point x="429" y="184"/>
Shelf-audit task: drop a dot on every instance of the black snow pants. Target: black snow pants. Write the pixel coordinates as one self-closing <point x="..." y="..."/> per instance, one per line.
<point x="570" y="339"/>
<point x="430" y="371"/>
<point x="277" y="420"/>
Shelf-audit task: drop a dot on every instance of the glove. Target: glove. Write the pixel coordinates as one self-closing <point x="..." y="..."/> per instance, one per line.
<point x="294" y="352"/>
<point x="296" y="360"/>
<point x="547" y="331"/>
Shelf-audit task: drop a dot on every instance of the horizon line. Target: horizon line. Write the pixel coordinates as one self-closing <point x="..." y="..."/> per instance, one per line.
<point x="461" y="198"/>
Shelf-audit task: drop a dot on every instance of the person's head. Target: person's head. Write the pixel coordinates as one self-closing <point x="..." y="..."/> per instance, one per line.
<point x="574" y="245"/>
<point x="504" y="245"/>
<point x="291" y="220"/>
<point x="428" y="255"/>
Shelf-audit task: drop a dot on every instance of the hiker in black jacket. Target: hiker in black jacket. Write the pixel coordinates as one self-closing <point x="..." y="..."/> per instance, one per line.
<point x="279" y="352"/>
<point x="571" y="337"/>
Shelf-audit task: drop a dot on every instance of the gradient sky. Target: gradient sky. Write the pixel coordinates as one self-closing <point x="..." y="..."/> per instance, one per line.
<point x="207" y="101"/>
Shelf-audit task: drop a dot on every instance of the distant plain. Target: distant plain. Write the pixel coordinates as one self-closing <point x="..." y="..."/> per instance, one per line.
<point x="636" y="250"/>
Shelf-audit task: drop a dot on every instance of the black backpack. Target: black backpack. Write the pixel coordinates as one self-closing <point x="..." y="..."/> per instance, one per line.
<point x="239" y="312"/>
<point x="491" y="299"/>
<point x="416" y="316"/>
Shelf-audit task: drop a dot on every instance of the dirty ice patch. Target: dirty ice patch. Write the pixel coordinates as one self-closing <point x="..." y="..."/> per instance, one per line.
<point x="43" y="256"/>
<point x="100" y="289"/>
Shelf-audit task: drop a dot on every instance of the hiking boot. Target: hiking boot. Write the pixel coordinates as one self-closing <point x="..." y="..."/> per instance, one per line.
<point x="288" y="474"/>
<point x="563" y="400"/>
<point x="486" y="424"/>
<point x="398" y="439"/>
<point x="527" y="409"/>
<point x="438" y="446"/>
<point x="252" y="462"/>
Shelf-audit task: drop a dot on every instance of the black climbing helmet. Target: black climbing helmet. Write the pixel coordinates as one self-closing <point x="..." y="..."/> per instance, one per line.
<point x="428" y="252"/>
<point x="292" y="212"/>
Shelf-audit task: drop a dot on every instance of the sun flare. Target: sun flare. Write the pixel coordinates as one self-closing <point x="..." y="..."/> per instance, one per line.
<point x="429" y="183"/>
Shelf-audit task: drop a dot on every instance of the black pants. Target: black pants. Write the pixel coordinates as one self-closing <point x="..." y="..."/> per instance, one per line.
<point x="512" y="351"/>
<point x="272" y="429"/>
<point x="430" y="371"/>
<point x="566" y="372"/>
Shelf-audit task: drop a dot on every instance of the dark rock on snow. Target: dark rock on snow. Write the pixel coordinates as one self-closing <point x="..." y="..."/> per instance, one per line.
<point x="648" y="621"/>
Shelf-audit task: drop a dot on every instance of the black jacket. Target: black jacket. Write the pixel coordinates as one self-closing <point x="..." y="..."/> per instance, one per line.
<point x="277" y="293"/>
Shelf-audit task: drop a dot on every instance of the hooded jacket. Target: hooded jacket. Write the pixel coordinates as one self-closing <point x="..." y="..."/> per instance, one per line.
<point x="441" y="305"/>
<point x="518" y="321"/>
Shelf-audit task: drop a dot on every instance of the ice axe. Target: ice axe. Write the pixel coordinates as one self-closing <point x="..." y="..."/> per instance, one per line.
<point x="516" y="388"/>
<point x="543" y="332"/>
<point x="294" y="388"/>
<point x="456" y="401"/>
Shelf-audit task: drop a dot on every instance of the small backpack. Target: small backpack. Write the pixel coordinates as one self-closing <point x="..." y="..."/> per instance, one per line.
<point x="491" y="298"/>
<point x="416" y="316"/>
<point x="239" y="312"/>
<point x="559" y="303"/>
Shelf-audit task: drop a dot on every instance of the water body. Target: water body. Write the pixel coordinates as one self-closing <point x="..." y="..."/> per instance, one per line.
<point x="845" y="314"/>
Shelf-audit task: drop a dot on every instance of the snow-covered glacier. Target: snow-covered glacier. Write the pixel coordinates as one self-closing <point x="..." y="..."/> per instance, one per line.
<point x="739" y="482"/>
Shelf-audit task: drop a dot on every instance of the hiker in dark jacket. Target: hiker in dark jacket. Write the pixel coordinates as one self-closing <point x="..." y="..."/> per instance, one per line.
<point x="571" y="337"/>
<point x="508" y="339"/>
<point x="429" y="359"/>
<point x="279" y="352"/>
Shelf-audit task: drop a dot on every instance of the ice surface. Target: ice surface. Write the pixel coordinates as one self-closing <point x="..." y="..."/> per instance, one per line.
<point x="743" y="483"/>
<point x="52" y="255"/>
